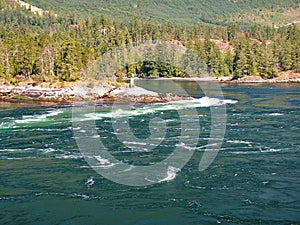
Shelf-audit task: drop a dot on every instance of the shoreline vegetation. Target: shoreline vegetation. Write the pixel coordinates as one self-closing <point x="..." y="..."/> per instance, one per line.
<point x="56" y="47"/>
<point x="45" y="94"/>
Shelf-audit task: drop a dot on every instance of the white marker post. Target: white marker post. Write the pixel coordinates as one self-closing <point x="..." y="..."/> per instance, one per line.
<point x="131" y="80"/>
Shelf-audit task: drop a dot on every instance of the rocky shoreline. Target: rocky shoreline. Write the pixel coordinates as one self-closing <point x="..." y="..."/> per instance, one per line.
<point x="69" y="95"/>
<point x="29" y="94"/>
<point x="258" y="79"/>
<point x="108" y="93"/>
<point x="283" y="77"/>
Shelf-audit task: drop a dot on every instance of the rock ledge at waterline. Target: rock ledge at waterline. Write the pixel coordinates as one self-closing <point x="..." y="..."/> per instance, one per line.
<point x="67" y="95"/>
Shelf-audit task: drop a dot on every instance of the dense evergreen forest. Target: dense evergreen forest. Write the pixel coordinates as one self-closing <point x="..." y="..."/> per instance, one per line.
<point x="185" y="12"/>
<point x="59" y="47"/>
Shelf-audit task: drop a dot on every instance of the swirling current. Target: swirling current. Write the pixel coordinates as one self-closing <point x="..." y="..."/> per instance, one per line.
<point x="255" y="178"/>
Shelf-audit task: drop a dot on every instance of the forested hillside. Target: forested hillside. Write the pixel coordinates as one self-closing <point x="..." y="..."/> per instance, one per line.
<point x="186" y="12"/>
<point x="51" y="47"/>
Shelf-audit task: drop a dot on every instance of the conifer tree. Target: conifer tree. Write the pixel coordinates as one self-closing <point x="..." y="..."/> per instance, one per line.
<point x="267" y="63"/>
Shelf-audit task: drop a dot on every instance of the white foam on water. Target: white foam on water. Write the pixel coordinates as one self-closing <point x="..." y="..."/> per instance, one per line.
<point x="135" y="149"/>
<point x="232" y="124"/>
<point x="208" y="145"/>
<point x="96" y="136"/>
<point x="49" y="150"/>
<point x="270" y="150"/>
<point x="45" y="150"/>
<point x="51" y="129"/>
<point x="104" y="163"/>
<point x="276" y="114"/>
<point x="90" y="181"/>
<point x="7" y="125"/>
<point x="83" y="196"/>
<point x="18" y="158"/>
<point x="99" y="166"/>
<point x="157" y="107"/>
<point x="240" y="142"/>
<point x="27" y="119"/>
<point x="37" y="118"/>
<point x="102" y="160"/>
<point x="203" y="102"/>
<point x="4" y="198"/>
<point x="148" y="109"/>
<point x="134" y="143"/>
<point x="50" y="193"/>
<point x="183" y="145"/>
<point x="171" y="174"/>
<point x="197" y="187"/>
<point x="244" y="152"/>
<point x="16" y="149"/>
<point x="69" y="156"/>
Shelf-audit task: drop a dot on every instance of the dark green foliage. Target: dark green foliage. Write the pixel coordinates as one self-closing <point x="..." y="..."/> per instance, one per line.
<point x="245" y="59"/>
<point x="188" y="12"/>
<point x="51" y="48"/>
<point x="267" y="62"/>
<point x="150" y="69"/>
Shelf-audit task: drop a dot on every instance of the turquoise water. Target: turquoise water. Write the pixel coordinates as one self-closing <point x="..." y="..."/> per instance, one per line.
<point x="253" y="180"/>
